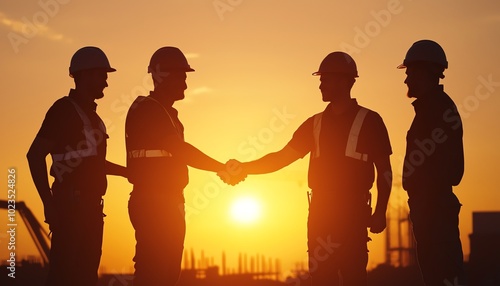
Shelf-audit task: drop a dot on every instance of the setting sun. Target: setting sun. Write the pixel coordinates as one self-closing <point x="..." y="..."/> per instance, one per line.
<point x="245" y="210"/>
<point x="251" y="90"/>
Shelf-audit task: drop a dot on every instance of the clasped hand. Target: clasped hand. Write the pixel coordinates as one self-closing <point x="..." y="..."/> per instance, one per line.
<point x="233" y="173"/>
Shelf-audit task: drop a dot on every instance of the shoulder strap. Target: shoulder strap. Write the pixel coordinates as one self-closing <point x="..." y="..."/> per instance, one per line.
<point x="168" y="114"/>
<point x="316" y="131"/>
<point x="352" y="140"/>
<point x="90" y="140"/>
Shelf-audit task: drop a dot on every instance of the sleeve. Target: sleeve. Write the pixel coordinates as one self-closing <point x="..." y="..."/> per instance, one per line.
<point x="303" y="140"/>
<point x="56" y="122"/>
<point x="151" y="124"/>
<point x="378" y="138"/>
<point x="452" y="147"/>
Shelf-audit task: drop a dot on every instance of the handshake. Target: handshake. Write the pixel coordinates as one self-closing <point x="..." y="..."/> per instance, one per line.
<point x="233" y="173"/>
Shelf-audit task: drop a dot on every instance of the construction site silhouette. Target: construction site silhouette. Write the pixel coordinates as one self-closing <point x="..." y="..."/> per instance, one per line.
<point x="399" y="269"/>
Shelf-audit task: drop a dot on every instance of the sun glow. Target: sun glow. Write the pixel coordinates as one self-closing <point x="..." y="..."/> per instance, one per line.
<point x="245" y="210"/>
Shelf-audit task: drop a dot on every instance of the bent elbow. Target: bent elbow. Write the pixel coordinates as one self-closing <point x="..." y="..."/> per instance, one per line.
<point x="34" y="155"/>
<point x="31" y="155"/>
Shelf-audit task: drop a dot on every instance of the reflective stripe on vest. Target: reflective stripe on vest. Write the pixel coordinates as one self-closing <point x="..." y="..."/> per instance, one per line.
<point x="148" y="153"/>
<point x="352" y="140"/>
<point x="90" y="140"/>
<point x="316" y="131"/>
<point x="143" y="153"/>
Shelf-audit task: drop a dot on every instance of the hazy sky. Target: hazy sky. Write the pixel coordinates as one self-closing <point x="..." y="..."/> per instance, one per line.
<point x="251" y="90"/>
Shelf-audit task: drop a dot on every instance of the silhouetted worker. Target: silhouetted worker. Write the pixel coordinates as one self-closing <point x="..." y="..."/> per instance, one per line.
<point x="434" y="162"/>
<point x="345" y="142"/>
<point x="157" y="157"/>
<point x="75" y="137"/>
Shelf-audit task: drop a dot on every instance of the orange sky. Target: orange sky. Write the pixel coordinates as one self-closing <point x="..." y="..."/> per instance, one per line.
<point x="251" y="90"/>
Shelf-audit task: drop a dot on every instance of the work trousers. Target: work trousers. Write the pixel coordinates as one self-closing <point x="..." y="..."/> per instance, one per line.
<point x="160" y="227"/>
<point x="337" y="244"/>
<point x="434" y="216"/>
<point x="76" y="244"/>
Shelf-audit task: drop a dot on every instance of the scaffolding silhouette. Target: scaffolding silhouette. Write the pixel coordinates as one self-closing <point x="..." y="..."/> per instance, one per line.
<point x="251" y="267"/>
<point x="400" y="244"/>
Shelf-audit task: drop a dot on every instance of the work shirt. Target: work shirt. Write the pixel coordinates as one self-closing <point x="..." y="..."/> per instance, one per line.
<point x="342" y="153"/>
<point x="79" y="154"/>
<point x="434" y="147"/>
<point x="150" y="128"/>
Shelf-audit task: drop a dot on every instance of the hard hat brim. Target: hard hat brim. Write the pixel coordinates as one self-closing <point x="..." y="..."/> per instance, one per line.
<point x="320" y="73"/>
<point x="404" y="66"/>
<point x="110" y="69"/>
<point x="150" y="70"/>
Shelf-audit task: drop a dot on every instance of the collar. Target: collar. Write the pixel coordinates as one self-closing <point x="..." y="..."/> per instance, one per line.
<point x="430" y="99"/>
<point x="164" y="103"/>
<point x="351" y="105"/>
<point x="85" y="104"/>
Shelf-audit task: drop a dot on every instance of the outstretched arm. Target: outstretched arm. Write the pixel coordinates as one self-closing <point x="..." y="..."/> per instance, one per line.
<point x="195" y="158"/>
<point x="272" y="161"/>
<point x="384" y="184"/>
<point x="236" y="171"/>
<point x="115" y="169"/>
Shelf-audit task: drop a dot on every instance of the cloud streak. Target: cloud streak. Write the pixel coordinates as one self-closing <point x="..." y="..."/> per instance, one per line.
<point x="192" y="55"/>
<point x="21" y="31"/>
<point x="200" y="90"/>
<point x="192" y="93"/>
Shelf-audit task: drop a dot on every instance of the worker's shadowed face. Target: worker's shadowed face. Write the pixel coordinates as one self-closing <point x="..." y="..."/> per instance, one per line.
<point x="335" y="86"/>
<point x="420" y="80"/>
<point x="93" y="82"/>
<point x="171" y="84"/>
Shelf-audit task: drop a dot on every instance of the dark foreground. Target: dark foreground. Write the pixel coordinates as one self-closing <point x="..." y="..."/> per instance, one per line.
<point x="33" y="274"/>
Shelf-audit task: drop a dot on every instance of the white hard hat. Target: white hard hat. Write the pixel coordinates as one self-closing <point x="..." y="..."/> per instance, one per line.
<point x="89" y="58"/>
<point x="338" y="62"/>
<point x="425" y="51"/>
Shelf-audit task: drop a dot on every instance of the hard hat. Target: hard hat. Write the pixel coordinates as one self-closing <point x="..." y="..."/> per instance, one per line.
<point x="425" y="51"/>
<point x="169" y="59"/>
<point x="338" y="62"/>
<point x="89" y="58"/>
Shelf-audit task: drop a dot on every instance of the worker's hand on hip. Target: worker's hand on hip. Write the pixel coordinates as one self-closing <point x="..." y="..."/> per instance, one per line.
<point x="51" y="217"/>
<point x="378" y="222"/>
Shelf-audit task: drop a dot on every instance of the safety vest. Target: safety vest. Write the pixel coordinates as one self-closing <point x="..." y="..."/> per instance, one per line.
<point x="156" y="153"/>
<point x="90" y="139"/>
<point x="352" y="140"/>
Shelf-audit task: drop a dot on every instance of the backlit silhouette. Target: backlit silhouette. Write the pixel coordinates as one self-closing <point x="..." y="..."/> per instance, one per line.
<point x="345" y="142"/>
<point x="75" y="137"/>
<point x="158" y="159"/>
<point x="434" y="163"/>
